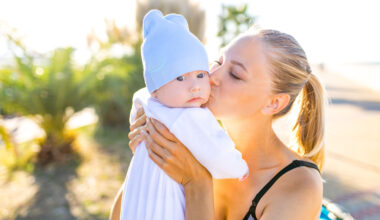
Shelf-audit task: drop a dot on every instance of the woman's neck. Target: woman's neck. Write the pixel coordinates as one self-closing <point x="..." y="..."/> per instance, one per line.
<point x="257" y="141"/>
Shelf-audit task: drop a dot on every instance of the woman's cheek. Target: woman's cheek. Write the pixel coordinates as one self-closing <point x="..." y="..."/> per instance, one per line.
<point x="211" y="105"/>
<point x="216" y="105"/>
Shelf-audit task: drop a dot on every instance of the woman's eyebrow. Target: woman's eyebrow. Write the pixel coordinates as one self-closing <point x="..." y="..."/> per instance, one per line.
<point x="239" y="64"/>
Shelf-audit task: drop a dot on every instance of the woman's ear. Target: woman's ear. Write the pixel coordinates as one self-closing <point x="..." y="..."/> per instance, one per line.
<point x="275" y="104"/>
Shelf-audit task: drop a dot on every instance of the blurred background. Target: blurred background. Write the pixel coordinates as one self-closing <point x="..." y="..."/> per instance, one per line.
<point x="68" y="70"/>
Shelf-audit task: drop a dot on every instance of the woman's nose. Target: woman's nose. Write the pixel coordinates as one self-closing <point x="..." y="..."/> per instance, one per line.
<point x="214" y="80"/>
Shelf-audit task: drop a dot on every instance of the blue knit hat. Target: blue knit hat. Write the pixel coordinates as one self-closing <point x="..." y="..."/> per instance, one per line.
<point x="169" y="49"/>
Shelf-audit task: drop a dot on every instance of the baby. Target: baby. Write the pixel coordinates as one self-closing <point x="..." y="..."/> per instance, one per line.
<point x="177" y="81"/>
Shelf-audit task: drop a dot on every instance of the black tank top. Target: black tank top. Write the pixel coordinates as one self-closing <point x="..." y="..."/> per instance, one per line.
<point x="296" y="163"/>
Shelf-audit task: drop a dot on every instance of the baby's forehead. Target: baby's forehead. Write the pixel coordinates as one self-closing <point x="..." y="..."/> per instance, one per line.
<point x="194" y="72"/>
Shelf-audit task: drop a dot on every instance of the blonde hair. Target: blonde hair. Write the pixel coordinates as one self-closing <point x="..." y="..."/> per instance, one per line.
<point x="292" y="75"/>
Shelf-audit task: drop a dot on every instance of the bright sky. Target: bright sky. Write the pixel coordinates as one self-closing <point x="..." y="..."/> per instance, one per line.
<point x="328" y="30"/>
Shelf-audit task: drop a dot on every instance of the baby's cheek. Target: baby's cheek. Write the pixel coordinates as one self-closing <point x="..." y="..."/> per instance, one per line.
<point x="207" y="90"/>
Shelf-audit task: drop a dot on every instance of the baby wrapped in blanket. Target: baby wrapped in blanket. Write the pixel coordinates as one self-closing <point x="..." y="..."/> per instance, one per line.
<point x="177" y="84"/>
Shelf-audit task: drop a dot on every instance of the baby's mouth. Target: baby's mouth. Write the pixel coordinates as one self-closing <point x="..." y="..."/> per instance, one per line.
<point x="195" y="99"/>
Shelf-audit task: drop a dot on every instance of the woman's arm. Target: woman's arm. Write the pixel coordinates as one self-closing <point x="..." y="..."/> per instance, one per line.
<point x="116" y="206"/>
<point x="178" y="163"/>
<point x="199" y="200"/>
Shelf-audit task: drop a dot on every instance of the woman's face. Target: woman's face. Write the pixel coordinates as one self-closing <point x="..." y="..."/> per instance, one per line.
<point x="240" y="80"/>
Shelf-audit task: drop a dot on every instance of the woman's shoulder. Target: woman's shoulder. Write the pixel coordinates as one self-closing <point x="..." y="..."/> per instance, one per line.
<point x="303" y="179"/>
<point x="301" y="190"/>
<point x="301" y="183"/>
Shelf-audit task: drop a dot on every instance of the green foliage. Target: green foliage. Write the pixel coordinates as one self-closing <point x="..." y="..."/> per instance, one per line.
<point x="4" y="136"/>
<point x="49" y="90"/>
<point x="20" y="156"/>
<point x="11" y="156"/>
<point x="45" y="90"/>
<point x="116" y="81"/>
<point x="117" y="77"/>
<point x="233" y="21"/>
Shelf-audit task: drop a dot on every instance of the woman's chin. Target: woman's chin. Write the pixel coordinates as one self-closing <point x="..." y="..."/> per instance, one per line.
<point x="210" y="105"/>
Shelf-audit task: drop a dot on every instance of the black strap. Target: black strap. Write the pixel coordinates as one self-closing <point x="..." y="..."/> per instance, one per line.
<point x="292" y="165"/>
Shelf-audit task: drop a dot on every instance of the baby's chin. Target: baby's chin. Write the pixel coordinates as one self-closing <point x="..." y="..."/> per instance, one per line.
<point x="184" y="105"/>
<point x="192" y="105"/>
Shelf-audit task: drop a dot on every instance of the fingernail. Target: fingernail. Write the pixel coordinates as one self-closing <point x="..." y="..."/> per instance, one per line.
<point x="244" y="177"/>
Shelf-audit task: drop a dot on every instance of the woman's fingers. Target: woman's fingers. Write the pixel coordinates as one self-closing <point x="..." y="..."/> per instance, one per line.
<point x="136" y="131"/>
<point x="135" y="141"/>
<point x="158" y="138"/>
<point x="135" y="137"/>
<point x="158" y="160"/>
<point x="156" y="147"/>
<point x="156" y="152"/>
<point x="140" y="121"/>
<point x="178" y="162"/>
<point x="163" y="130"/>
<point x="140" y="112"/>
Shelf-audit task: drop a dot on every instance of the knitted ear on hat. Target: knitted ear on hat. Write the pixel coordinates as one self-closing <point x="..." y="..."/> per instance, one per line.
<point x="150" y="20"/>
<point x="179" y="19"/>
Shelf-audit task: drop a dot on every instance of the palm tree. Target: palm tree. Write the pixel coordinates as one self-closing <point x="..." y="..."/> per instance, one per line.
<point x="49" y="90"/>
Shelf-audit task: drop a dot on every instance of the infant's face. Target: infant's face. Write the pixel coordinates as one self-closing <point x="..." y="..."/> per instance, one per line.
<point x="189" y="90"/>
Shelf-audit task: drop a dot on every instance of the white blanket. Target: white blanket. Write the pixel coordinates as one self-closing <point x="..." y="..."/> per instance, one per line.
<point x="148" y="192"/>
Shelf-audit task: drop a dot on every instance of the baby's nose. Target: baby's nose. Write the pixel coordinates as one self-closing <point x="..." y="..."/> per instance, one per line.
<point x="195" y="88"/>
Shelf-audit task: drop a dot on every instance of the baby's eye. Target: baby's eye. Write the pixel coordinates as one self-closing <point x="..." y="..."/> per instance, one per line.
<point x="200" y="75"/>
<point x="180" y="78"/>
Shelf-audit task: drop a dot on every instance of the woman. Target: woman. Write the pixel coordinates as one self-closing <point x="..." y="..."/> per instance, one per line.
<point x="255" y="81"/>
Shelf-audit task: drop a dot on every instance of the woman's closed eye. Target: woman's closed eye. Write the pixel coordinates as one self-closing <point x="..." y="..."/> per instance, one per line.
<point x="234" y="76"/>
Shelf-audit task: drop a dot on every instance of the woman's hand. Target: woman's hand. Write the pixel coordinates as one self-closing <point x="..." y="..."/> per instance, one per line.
<point x="135" y="136"/>
<point x="171" y="155"/>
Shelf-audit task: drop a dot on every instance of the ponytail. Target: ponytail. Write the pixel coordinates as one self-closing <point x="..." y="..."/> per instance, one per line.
<point x="309" y="129"/>
<point x="291" y="74"/>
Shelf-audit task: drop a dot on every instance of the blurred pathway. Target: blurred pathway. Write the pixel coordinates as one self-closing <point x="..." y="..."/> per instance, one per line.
<point x="352" y="169"/>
